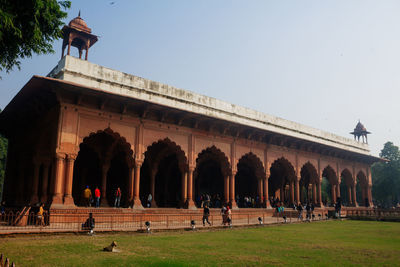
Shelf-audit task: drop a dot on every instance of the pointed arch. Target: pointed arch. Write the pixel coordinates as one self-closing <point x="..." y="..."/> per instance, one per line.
<point x="250" y="171"/>
<point x="330" y="186"/>
<point x="162" y="174"/>
<point x="210" y="175"/>
<point x="308" y="183"/>
<point x="104" y="160"/>
<point x="281" y="181"/>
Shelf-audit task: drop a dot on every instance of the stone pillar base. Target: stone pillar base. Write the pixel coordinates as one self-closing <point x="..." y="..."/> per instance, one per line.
<point x="190" y="205"/>
<point x="57" y="200"/>
<point x="320" y="205"/>
<point x="234" y="205"/>
<point x="137" y="204"/>
<point x="69" y="201"/>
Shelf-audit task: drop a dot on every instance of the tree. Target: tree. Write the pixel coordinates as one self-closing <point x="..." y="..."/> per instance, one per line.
<point x="28" y="27"/>
<point x="3" y="156"/>
<point x="386" y="177"/>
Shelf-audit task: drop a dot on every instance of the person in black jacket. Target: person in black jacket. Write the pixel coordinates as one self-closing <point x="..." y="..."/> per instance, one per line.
<point x="206" y="214"/>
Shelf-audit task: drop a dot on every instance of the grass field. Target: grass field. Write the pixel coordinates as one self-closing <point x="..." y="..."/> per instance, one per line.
<point x="331" y="243"/>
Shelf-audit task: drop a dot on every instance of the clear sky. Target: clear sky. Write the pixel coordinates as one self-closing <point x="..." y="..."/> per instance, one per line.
<point x="325" y="64"/>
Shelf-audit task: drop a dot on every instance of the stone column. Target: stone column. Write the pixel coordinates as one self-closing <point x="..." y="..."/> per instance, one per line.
<point x="260" y="192"/>
<point x="226" y="188"/>
<point x="190" y="203"/>
<point x="69" y="46"/>
<point x="371" y="204"/>
<point x="232" y="190"/>
<point x="87" y="49"/>
<point x="333" y="194"/>
<point x="350" y="199"/>
<point x="291" y="188"/>
<point x="354" y="198"/>
<point x="184" y="188"/>
<point x="104" y="171"/>
<point x="137" y="204"/>
<point x="69" y="174"/>
<point x="337" y="190"/>
<point x="319" y="196"/>
<point x="131" y="185"/>
<point x="153" y="187"/>
<point x="266" y="196"/>
<point x="59" y="172"/>
<point x="45" y="182"/>
<point x="297" y="195"/>
<point x="314" y="192"/>
<point x="35" y="183"/>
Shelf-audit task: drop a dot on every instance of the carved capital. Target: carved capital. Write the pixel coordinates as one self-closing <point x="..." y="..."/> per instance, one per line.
<point x="60" y="156"/>
<point x="71" y="157"/>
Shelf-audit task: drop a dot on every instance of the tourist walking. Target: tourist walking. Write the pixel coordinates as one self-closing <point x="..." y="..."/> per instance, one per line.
<point x="97" y="196"/>
<point x="300" y="210"/>
<point x="117" y="201"/>
<point x="40" y="215"/>
<point x="206" y="214"/>
<point x="308" y="209"/>
<point x="223" y="214"/>
<point x="87" y="196"/>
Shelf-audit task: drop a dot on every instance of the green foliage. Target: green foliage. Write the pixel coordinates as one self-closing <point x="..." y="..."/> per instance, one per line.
<point x="28" y="27"/>
<point x="3" y="156"/>
<point x="386" y="177"/>
<point x="326" y="189"/>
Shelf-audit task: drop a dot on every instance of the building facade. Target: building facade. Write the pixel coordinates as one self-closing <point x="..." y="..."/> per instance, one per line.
<point x="87" y="125"/>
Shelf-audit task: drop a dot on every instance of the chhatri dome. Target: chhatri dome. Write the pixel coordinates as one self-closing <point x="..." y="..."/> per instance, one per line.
<point x="360" y="131"/>
<point x="79" y="35"/>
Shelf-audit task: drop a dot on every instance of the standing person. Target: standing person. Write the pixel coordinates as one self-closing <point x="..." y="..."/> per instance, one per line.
<point x="308" y="209"/>
<point x="206" y="214"/>
<point x="338" y="207"/>
<point x="40" y="215"/>
<point x="228" y="215"/>
<point x="97" y="196"/>
<point x="223" y="214"/>
<point x="117" y="201"/>
<point x="87" y="196"/>
<point x="149" y="199"/>
<point x="300" y="210"/>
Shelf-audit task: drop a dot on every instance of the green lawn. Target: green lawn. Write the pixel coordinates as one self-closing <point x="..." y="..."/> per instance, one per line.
<point x="332" y="243"/>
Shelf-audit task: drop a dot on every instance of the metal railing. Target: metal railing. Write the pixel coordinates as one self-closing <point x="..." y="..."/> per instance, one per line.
<point x="378" y="214"/>
<point x="135" y="221"/>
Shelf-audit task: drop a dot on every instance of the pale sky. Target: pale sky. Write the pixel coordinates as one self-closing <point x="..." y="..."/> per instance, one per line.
<point x="325" y="64"/>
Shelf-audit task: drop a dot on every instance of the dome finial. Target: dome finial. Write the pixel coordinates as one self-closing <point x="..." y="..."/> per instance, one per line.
<point x="79" y="14"/>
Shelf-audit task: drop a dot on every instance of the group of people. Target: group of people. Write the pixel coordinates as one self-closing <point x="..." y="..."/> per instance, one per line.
<point x="249" y="201"/>
<point x="88" y="197"/>
<point x="309" y="208"/>
<point x="212" y="201"/>
<point x="226" y="214"/>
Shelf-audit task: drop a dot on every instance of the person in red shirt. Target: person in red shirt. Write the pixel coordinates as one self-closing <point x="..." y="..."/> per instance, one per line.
<point x="97" y="196"/>
<point x="117" y="197"/>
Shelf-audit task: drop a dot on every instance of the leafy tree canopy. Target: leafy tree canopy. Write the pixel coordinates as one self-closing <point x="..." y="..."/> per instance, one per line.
<point x="27" y="27"/>
<point x="386" y="177"/>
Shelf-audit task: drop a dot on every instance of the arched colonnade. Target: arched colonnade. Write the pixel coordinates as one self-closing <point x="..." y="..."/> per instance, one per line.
<point x="165" y="170"/>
